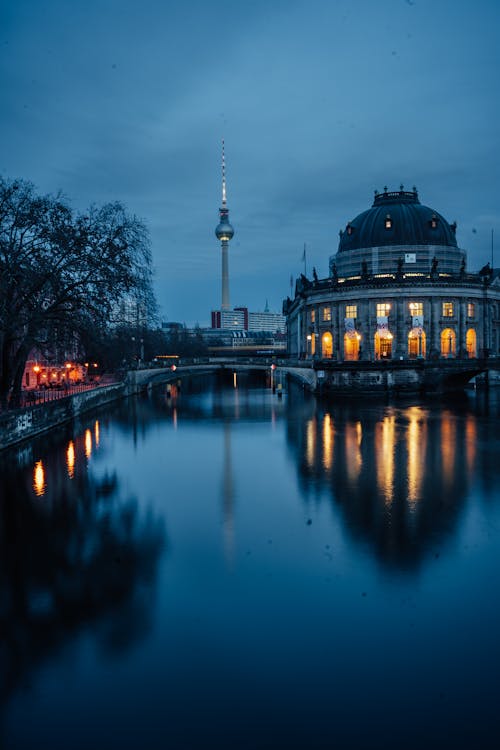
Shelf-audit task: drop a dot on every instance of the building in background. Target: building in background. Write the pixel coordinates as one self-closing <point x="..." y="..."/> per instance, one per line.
<point x="239" y="318"/>
<point x="398" y="288"/>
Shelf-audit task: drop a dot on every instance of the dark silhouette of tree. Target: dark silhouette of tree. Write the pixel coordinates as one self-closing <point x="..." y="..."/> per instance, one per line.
<point x="62" y="273"/>
<point x="86" y="557"/>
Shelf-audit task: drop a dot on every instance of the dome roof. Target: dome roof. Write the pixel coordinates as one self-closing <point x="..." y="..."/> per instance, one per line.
<point x="397" y="218"/>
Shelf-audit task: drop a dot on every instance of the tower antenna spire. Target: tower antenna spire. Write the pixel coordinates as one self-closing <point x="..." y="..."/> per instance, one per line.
<point x="223" y="175"/>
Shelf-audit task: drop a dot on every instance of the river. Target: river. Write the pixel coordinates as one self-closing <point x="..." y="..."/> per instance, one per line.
<point x="218" y="567"/>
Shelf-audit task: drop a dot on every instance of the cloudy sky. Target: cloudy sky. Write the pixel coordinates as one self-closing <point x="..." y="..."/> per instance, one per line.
<point x="319" y="101"/>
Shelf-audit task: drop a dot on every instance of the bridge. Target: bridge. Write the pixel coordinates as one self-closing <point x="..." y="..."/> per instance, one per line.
<point x="329" y="377"/>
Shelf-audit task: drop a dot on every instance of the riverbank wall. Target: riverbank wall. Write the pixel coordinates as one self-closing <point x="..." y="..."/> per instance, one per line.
<point x="17" y="425"/>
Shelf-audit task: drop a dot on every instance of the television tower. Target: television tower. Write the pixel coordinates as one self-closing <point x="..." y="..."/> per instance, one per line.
<point x="224" y="232"/>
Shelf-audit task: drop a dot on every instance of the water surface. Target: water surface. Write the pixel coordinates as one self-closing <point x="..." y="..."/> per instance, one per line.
<point x="221" y="568"/>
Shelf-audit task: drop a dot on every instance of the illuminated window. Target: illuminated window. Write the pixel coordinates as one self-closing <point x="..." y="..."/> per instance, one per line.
<point x="327" y="313"/>
<point x="327" y="345"/>
<point x="448" y="343"/>
<point x="434" y="222"/>
<point x="388" y="222"/>
<point x="383" y="309"/>
<point x="471" y="343"/>
<point x="349" y="229"/>
<point x="471" y="309"/>
<point x="447" y="309"/>
<point x="351" y="311"/>
<point x="313" y="316"/>
<point x="416" y="308"/>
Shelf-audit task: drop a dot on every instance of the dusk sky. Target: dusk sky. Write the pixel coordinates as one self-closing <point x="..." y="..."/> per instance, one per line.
<point x="319" y="103"/>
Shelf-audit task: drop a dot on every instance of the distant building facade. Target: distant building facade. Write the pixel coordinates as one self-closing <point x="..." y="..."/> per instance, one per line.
<point x="397" y="288"/>
<point x="241" y="319"/>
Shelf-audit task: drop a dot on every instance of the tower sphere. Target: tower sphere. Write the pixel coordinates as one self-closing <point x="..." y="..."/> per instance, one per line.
<point x="224" y="230"/>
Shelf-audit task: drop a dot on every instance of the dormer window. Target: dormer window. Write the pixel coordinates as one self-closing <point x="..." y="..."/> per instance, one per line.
<point x="388" y="222"/>
<point x="434" y="222"/>
<point x="349" y="229"/>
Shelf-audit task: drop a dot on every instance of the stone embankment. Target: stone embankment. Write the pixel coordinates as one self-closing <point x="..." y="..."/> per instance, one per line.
<point x="17" y="425"/>
<point x="21" y="424"/>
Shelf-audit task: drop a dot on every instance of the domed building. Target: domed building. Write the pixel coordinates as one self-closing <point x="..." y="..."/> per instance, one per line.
<point x="398" y="289"/>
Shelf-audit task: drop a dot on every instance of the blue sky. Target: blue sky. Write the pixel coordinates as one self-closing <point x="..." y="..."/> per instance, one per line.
<point x="320" y="102"/>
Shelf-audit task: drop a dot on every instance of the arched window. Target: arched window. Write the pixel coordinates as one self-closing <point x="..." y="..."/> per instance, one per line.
<point x="327" y="345"/>
<point x="351" y="345"/>
<point x="416" y="343"/>
<point x="448" y="343"/>
<point x="383" y="344"/>
<point x="471" y="343"/>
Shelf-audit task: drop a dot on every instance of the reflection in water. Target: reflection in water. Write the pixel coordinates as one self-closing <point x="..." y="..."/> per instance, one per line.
<point x="228" y="494"/>
<point x="327" y="441"/>
<point x="471" y="439"/>
<point x="39" y="479"/>
<point x="96" y="433"/>
<point x="87" y="555"/>
<point x="386" y="437"/>
<point x="400" y="474"/>
<point x="311" y="442"/>
<point x="448" y="437"/>
<point x="353" y="434"/>
<point x="88" y="444"/>
<point x="70" y="459"/>
<point x="416" y="445"/>
<point x="294" y="630"/>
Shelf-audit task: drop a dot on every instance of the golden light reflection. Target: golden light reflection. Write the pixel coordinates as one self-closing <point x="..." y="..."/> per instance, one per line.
<point x="386" y="440"/>
<point x="448" y="443"/>
<point x="39" y="479"/>
<point x="96" y="433"/>
<point x="174" y="417"/>
<point x="311" y="442"/>
<point x="88" y="443"/>
<point x="328" y="437"/>
<point x="70" y="459"/>
<point x="470" y="442"/>
<point x="353" y="437"/>
<point x="416" y="445"/>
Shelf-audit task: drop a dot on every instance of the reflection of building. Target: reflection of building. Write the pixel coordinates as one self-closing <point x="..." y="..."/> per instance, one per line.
<point x="400" y="476"/>
<point x="397" y="289"/>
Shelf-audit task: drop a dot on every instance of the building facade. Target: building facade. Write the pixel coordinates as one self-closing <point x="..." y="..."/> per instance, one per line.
<point x="397" y="289"/>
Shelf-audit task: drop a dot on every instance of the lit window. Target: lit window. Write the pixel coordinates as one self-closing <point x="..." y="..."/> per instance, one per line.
<point x="434" y="222"/>
<point x="313" y="316"/>
<point x="349" y="229"/>
<point x="327" y="313"/>
<point x="447" y="309"/>
<point x="471" y="309"/>
<point x="388" y="222"/>
<point x="416" y="308"/>
<point x="351" y="311"/>
<point x="383" y="309"/>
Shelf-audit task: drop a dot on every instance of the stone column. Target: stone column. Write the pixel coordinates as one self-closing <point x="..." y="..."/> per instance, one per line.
<point x="461" y="342"/>
<point x="435" y="343"/>
<point x="366" y="337"/>
<point x="400" y="332"/>
<point x="338" y="332"/>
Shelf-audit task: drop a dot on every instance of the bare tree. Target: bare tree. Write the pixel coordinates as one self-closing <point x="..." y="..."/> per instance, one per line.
<point x="61" y="273"/>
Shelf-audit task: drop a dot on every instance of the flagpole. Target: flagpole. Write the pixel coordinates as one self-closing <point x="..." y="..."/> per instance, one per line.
<point x="305" y="261"/>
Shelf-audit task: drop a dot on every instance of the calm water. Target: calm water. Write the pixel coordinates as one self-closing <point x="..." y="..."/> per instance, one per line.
<point x="224" y="569"/>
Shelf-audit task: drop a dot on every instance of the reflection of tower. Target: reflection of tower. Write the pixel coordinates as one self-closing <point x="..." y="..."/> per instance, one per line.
<point x="224" y="232"/>
<point x="228" y="493"/>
